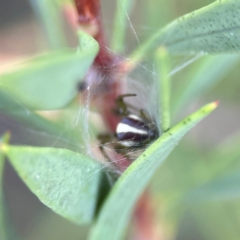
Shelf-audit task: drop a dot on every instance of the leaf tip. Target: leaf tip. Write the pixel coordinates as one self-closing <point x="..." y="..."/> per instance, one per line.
<point x="213" y="105"/>
<point x="210" y="107"/>
<point x="4" y="141"/>
<point x="161" y="51"/>
<point x="6" y="137"/>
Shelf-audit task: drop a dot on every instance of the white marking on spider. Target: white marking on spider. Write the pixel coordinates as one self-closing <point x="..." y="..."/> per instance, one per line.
<point x="128" y="143"/>
<point x="124" y="128"/>
<point x="135" y="117"/>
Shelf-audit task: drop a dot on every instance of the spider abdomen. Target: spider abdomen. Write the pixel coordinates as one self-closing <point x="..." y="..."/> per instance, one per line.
<point x="132" y="131"/>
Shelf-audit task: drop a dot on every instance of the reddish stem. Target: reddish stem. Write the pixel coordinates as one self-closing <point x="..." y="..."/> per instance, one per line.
<point x="89" y="14"/>
<point x="88" y="10"/>
<point x="144" y="216"/>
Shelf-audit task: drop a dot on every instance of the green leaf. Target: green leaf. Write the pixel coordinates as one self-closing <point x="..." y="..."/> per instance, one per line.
<point x="36" y="122"/>
<point x="3" y="234"/>
<point x="65" y="181"/>
<point x="164" y="82"/>
<point x="49" y="15"/>
<point x="60" y="132"/>
<point x="124" y="7"/>
<point x="86" y="42"/>
<point x="116" y="212"/>
<point x="212" y="29"/>
<point x="49" y="81"/>
<point x="4" y="226"/>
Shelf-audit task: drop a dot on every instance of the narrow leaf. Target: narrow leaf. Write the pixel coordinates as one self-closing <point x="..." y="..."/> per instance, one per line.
<point x="124" y="7"/>
<point x="3" y="233"/>
<point x="163" y="67"/>
<point x="49" y="15"/>
<point x="116" y="212"/>
<point x="16" y="111"/>
<point x="65" y="181"/>
<point x="213" y="29"/>
<point x="47" y="82"/>
<point x="4" y="227"/>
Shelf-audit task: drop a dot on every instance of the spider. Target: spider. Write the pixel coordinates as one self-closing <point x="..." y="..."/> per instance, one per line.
<point x="133" y="131"/>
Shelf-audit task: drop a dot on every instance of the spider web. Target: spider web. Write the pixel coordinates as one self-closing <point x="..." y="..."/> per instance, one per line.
<point x="83" y="120"/>
<point x="143" y="82"/>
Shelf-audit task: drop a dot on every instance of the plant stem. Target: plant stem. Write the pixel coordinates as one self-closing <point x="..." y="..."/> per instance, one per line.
<point x="89" y="18"/>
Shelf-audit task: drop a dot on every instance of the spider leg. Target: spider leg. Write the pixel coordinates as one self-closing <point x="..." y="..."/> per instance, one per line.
<point x="106" y="138"/>
<point x="144" y="116"/>
<point x="122" y="107"/>
<point x="120" y="148"/>
<point x="148" y="120"/>
<point x="102" y="149"/>
<point x="124" y="151"/>
<point x="103" y="139"/>
<point x="132" y="153"/>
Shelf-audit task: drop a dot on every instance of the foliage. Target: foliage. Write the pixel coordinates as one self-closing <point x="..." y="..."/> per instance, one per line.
<point x="76" y="185"/>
